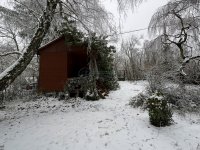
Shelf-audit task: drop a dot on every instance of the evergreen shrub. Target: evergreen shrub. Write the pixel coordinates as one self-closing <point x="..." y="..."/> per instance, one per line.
<point x="160" y="113"/>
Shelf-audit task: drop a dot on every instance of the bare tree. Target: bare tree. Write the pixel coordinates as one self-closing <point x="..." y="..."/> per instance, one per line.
<point x="132" y="51"/>
<point x="9" y="75"/>
<point x="181" y="24"/>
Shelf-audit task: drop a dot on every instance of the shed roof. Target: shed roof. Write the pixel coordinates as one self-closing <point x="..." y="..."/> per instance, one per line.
<point x="50" y="43"/>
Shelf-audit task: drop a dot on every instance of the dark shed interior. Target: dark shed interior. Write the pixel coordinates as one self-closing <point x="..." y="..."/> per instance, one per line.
<point x="77" y="61"/>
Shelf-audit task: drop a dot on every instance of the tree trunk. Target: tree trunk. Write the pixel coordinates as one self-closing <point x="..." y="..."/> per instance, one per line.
<point x="12" y="72"/>
<point x="94" y="75"/>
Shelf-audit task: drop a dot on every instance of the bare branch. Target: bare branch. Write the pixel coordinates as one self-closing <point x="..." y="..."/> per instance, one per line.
<point x="185" y="62"/>
<point x="10" y="53"/>
<point x="34" y="13"/>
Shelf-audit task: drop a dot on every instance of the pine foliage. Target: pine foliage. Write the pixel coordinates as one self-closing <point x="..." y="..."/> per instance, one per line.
<point x="104" y="54"/>
<point x="72" y="35"/>
<point x="105" y="59"/>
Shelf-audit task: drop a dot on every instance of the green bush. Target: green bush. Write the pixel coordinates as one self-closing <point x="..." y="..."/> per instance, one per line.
<point x="160" y="113"/>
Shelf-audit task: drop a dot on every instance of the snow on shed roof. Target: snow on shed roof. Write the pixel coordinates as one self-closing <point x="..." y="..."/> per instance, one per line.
<point x="49" y="43"/>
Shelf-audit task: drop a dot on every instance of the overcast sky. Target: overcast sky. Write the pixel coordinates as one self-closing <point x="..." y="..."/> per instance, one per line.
<point x="137" y="19"/>
<point x="3" y="2"/>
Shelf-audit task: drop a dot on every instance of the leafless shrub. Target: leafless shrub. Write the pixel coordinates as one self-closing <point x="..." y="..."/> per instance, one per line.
<point x="183" y="97"/>
<point x="192" y="70"/>
<point x="155" y="79"/>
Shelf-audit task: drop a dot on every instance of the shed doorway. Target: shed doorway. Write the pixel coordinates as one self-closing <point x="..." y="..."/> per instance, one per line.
<point x="77" y="62"/>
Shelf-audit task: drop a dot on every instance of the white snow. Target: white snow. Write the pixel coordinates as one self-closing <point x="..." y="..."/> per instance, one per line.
<point x="155" y="96"/>
<point x="110" y="124"/>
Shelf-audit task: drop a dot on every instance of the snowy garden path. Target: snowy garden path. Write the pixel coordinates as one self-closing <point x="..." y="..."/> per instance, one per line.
<point x="109" y="124"/>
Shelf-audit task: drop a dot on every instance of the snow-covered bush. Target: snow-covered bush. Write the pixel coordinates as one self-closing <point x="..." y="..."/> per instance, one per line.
<point x="160" y="113"/>
<point x="92" y="97"/>
<point x="184" y="99"/>
<point x="139" y="101"/>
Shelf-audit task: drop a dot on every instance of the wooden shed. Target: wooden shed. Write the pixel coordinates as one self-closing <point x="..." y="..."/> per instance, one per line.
<point x="58" y="62"/>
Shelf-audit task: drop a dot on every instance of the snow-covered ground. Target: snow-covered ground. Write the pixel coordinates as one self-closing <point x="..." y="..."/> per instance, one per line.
<point x="110" y="124"/>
